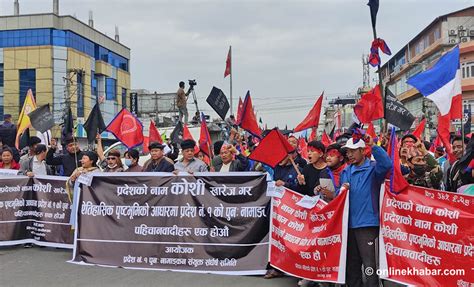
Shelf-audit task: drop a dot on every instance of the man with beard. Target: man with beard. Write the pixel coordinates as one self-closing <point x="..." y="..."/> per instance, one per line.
<point x="70" y="159"/>
<point x="364" y="178"/>
<point x="314" y="170"/>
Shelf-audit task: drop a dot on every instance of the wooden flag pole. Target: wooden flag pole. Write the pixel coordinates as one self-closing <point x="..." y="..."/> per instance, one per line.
<point x="294" y="165"/>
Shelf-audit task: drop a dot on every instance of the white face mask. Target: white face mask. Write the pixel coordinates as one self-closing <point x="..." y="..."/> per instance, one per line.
<point x="112" y="166"/>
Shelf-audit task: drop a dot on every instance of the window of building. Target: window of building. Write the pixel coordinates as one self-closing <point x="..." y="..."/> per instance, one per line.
<point x="437" y="34"/>
<point x="467" y="70"/>
<point x="80" y="94"/>
<point x="27" y="81"/>
<point x="94" y="91"/>
<point x="124" y="98"/>
<point x="111" y="89"/>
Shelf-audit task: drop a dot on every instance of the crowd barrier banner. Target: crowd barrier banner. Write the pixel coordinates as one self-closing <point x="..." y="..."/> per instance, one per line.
<point x="310" y="243"/>
<point x="427" y="237"/>
<point x="35" y="210"/>
<point x="206" y="222"/>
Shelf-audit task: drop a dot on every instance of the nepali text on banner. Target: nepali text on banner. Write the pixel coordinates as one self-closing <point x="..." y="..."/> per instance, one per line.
<point x="196" y="223"/>
<point x="310" y="243"/>
<point x="35" y="210"/>
<point x="426" y="237"/>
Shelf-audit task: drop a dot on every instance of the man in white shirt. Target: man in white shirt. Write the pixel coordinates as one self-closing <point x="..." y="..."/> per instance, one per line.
<point x="36" y="165"/>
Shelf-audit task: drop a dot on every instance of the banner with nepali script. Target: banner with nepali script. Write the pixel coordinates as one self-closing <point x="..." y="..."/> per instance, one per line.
<point x="310" y="243"/>
<point x="427" y="237"/>
<point x="35" y="210"/>
<point x="204" y="222"/>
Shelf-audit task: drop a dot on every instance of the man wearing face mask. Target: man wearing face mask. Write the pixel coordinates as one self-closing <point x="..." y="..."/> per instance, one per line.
<point x="424" y="169"/>
<point x="131" y="161"/>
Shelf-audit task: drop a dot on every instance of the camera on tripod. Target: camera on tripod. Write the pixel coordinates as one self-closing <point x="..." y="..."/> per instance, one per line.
<point x="192" y="83"/>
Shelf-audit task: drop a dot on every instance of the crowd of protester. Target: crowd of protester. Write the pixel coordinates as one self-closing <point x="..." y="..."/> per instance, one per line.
<point x="360" y="164"/>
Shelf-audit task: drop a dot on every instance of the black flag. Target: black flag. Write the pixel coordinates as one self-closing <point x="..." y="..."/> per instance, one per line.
<point x="218" y="101"/>
<point x="177" y="134"/>
<point x="396" y="113"/>
<point x="374" y="8"/>
<point x="42" y="118"/>
<point x="467" y="117"/>
<point x="94" y="123"/>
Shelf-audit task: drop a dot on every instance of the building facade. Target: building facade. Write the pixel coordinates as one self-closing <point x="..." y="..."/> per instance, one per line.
<point x="65" y="62"/>
<point x="423" y="51"/>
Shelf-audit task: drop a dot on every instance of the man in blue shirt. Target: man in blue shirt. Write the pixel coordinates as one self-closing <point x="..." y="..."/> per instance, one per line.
<point x="364" y="178"/>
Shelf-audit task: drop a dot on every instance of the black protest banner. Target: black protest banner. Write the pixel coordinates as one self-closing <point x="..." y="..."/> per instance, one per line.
<point x="42" y="119"/>
<point x="218" y="101"/>
<point x="197" y="223"/>
<point x="396" y="113"/>
<point x="35" y="210"/>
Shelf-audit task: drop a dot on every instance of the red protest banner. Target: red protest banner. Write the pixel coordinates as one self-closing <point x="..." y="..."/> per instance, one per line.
<point x="310" y="243"/>
<point x="426" y="237"/>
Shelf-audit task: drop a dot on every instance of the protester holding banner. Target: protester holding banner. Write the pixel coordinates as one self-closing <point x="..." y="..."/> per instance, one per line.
<point x="315" y="170"/>
<point x="364" y="178"/>
<point x="36" y="165"/>
<point x="132" y="156"/>
<point x="7" y="159"/>
<point x="88" y="164"/>
<point x="70" y="159"/>
<point x="189" y="163"/>
<point x="158" y="162"/>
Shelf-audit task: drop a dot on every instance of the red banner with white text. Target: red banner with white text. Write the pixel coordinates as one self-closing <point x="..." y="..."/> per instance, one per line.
<point x="427" y="237"/>
<point x="311" y="242"/>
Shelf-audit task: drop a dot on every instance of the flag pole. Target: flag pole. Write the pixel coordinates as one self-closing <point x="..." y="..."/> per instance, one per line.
<point x="231" y="106"/>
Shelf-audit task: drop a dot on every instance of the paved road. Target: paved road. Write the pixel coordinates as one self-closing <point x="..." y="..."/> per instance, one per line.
<point x="48" y="267"/>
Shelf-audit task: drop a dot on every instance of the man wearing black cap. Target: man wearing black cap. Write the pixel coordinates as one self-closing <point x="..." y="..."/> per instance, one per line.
<point x="8" y="131"/>
<point x="36" y="165"/>
<point x="189" y="163"/>
<point x="70" y="159"/>
<point x="158" y="162"/>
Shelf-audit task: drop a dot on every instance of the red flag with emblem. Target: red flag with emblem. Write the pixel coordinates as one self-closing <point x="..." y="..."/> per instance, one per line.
<point x="126" y="128"/>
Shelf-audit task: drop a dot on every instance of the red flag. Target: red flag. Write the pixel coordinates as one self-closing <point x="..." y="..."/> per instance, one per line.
<point x="418" y="132"/>
<point x="303" y="147"/>
<point x="239" y="111"/>
<point x="312" y="119"/>
<point x="228" y="63"/>
<point x="398" y="182"/>
<point x="456" y="108"/>
<point x="248" y="121"/>
<point x="272" y="149"/>
<point x="444" y="123"/>
<point x="371" y="131"/>
<point x="153" y="134"/>
<point x="205" y="142"/>
<point x="126" y="128"/>
<point x="325" y="139"/>
<point x="370" y="106"/>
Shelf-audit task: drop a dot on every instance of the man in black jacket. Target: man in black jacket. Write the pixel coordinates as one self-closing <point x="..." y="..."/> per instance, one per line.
<point x="70" y="159"/>
<point x="158" y="162"/>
